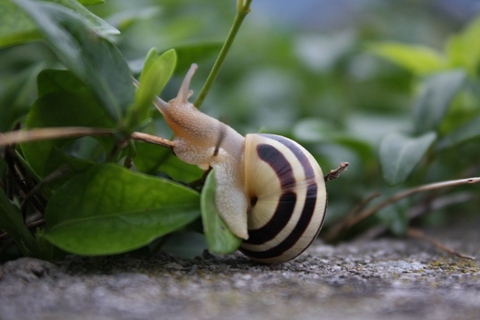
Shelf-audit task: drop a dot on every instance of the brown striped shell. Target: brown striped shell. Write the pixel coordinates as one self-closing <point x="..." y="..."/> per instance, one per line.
<point x="270" y="190"/>
<point x="288" y="198"/>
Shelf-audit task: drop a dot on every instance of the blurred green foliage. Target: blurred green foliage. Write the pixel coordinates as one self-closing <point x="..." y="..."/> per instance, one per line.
<point x="396" y="94"/>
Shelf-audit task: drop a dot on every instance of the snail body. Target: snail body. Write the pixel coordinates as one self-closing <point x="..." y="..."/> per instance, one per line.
<point x="270" y="190"/>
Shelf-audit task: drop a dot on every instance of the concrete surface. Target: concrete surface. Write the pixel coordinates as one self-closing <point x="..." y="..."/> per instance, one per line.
<point x="376" y="279"/>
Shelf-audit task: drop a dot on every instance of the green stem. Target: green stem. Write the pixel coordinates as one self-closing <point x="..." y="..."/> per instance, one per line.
<point x="243" y="8"/>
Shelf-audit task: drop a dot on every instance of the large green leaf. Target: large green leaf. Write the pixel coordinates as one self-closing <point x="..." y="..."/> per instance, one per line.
<point x="51" y="80"/>
<point x="399" y="154"/>
<point x="435" y="98"/>
<point x="110" y="210"/>
<point x="64" y="102"/>
<point x="17" y="27"/>
<point x="86" y="53"/>
<point x="218" y="236"/>
<point x="418" y="59"/>
<point x="151" y="158"/>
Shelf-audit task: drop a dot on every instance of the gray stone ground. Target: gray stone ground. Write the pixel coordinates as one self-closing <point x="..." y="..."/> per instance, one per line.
<point x="376" y="279"/>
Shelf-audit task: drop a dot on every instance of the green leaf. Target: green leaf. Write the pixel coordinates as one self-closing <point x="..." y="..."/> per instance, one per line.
<point x="92" y="58"/>
<point x="158" y="70"/>
<point x="399" y="154"/>
<point x="464" y="49"/>
<point x="51" y="80"/>
<point x="61" y="106"/>
<point x="11" y="221"/>
<point x="151" y="159"/>
<point x="418" y="59"/>
<point x="219" y="238"/>
<point x="436" y="96"/>
<point x="466" y="132"/>
<point x="90" y="2"/>
<point x="96" y="23"/>
<point x="110" y="210"/>
<point x="128" y="18"/>
<point x="155" y="75"/>
<point x="17" y="27"/>
<point x="16" y="97"/>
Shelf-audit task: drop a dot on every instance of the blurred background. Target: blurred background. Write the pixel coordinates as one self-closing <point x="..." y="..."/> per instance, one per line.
<point x="297" y="68"/>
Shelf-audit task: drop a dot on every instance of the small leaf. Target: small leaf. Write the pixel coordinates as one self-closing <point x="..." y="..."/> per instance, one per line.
<point x="219" y="238"/>
<point x="417" y="59"/>
<point x="158" y="71"/>
<point x="110" y="210"/>
<point x="400" y="154"/>
<point x="466" y="132"/>
<point x="91" y="57"/>
<point x="155" y="75"/>
<point x="433" y="102"/>
<point x="150" y="59"/>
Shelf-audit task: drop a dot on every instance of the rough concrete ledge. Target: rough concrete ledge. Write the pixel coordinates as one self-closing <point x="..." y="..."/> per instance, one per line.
<point x="378" y="279"/>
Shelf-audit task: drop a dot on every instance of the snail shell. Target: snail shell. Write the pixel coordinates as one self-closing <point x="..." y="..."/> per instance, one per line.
<point x="288" y="198"/>
<point x="270" y="190"/>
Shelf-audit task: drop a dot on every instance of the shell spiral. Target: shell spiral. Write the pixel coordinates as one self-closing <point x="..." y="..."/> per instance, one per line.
<point x="287" y="195"/>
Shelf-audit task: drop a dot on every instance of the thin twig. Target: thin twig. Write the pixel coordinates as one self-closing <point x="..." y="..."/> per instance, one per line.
<point x="50" y="133"/>
<point x="30" y="135"/>
<point x="346" y="224"/>
<point x="243" y="8"/>
<point x="30" y="225"/>
<point x="418" y="234"/>
<point x="140" y="136"/>
<point x="419" y="210"/>
<point x="335" y="173"/>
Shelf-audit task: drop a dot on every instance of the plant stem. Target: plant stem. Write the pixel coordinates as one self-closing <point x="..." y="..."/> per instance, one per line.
<point x="353" y="220"/>
<point x="71" y="132"/>
<point x="418" y="234"/>
<point x="243" y="8"/>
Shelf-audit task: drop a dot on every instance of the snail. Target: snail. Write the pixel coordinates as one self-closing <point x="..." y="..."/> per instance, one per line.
<point x="270" y="190"/>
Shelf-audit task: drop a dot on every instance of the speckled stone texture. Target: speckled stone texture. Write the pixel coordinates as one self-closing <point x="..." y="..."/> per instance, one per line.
<point x="376" y="279"/>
